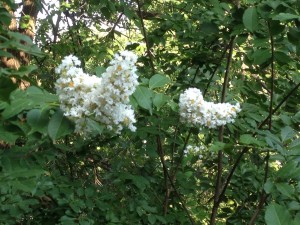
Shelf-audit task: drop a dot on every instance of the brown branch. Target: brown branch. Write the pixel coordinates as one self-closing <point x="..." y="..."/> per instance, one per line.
<point x="116" y="24"/>
<point x="215" y="70"/>
<point x="145" y="37"/>
<point x="221" y="135"/>
<point x="272" y="78"/>
<point x="228" y="179"/>
<point x="160" y="150"/>
<point x="197" y="70"/>
<point x="263" y="195"/>
<point x="278" y="106"/>
<point x="256" y="77"/>
<point x="55" y="27"/>
<point x="174" y="144"/>
<point x="161" y="155"/>
<point x="181" y="154"/>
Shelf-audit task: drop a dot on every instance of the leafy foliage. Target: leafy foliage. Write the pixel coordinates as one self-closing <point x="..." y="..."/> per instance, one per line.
<point x="50" y="175"/>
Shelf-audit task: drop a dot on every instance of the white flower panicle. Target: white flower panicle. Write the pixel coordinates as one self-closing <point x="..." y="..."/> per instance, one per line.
<point x="196" y="111"/>
<point x="105" y="100"/>
<point x="119" y="81"/>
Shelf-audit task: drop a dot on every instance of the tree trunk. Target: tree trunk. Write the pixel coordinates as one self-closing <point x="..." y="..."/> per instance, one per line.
<point x="25" y="26"/>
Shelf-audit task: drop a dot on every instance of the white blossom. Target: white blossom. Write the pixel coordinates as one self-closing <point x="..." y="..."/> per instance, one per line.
<point x="105" y="99"/>
<point x="196" y="111"/>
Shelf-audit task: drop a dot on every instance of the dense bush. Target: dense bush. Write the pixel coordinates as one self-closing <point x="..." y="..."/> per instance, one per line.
<point x="168" y="171"/>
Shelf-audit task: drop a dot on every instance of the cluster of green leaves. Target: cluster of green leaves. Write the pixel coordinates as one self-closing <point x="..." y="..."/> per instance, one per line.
<point x="48" y="175"/>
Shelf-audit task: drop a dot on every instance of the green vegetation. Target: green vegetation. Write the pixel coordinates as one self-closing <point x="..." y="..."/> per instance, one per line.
<point x="246" y="172"/>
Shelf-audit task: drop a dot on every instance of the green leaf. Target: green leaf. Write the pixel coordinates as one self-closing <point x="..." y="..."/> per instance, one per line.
<point x="40" y="97"/>
<point x="248" y="139"/>
<point x="129" y="14"/>
<point x="268" y="186"/>
<point x="143" y="96"/>
<point x="296" y="219"/>
<point x="273" y="4"/>
<point x="139" y="181"/>
<point x="32" y="97"/>
<point x="5" y="54"/>
<point x="6" y="87"/>
<point x="158" y="80"/>
<point x="285" y="189"/>
<point x="3" y="105"/>
<point x="38" y="120"/>
<point x="282" y="58"/>
<point x="217" y="146"/>
<point x="94" y="126"/>
<point x="160" y="99"/>
<point x="285" y="16"/>
<point x="293" y="35"/>
<point x="5" y="17"/>
<point x="24" y="70"/>
<point x="23" y="173"/>
<point x="277" y="215"/>
<point x="289" y="170"/>
<point x="294" y="205"/>
<point x="287" y="133"/>
<point x="152" y="219"/>
<point x="208" y="28"/>
<point x="294" y="147"/>
<point x="261" y="56"/>
<point x="59" y="126"/>
<point x="8" y="136"/>
<point x="250" y="19"/>
<point x="17" y="105"/>
<point x="27" y="185"/>
<point x="99" y="71"/>
<point x="66" y="220"/>
<point x="276" y="27"/>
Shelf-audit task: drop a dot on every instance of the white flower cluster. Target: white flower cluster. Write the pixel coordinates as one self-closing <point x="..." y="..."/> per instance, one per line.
<point x="105" y="99"/>
<point x="196" y="111"/>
